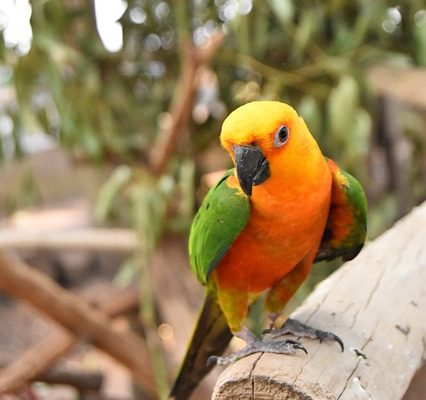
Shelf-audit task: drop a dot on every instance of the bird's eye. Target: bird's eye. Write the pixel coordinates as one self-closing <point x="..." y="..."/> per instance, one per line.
<point x="281" y="136"/>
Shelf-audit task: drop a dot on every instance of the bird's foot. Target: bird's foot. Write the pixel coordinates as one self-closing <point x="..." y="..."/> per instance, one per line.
<point x="257" y="346"/>
<point x="296" y="328"/>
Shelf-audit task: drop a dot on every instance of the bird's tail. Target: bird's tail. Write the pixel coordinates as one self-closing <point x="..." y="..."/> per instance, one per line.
<point x="211" y="337"/>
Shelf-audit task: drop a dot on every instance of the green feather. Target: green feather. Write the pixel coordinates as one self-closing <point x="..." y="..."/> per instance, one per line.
<point x="222" y="216"/>
<point x="348" y="212"/>
<point x="211" y="337"/>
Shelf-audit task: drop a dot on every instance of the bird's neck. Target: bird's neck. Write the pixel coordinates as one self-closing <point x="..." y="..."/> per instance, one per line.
<point x="306" y="182"/>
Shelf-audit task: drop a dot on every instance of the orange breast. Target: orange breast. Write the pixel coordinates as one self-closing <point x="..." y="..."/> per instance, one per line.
<point x="286" y="225"/>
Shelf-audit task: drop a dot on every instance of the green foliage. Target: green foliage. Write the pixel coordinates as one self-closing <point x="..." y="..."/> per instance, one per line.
<point x="349" y="125"/>
<point x="108" y="108"/>
<point x="147" y="203"/>
<point x="107" y="195"/>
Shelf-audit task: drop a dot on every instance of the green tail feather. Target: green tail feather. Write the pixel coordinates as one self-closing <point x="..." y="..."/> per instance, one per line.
<point x="211" y="337"/>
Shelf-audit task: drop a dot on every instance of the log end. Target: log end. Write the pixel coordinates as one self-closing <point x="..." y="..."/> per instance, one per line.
<point x="257" y="377"/>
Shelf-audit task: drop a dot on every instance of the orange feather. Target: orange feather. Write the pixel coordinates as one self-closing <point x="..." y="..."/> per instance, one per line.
<point x="288" y="211"/>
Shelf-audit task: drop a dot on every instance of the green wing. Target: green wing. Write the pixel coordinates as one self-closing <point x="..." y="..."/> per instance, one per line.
<point x="346" y="227"/>
<point x="222" y="216"/>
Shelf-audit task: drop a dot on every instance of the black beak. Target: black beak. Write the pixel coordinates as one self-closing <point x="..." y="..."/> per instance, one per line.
<point x="252" y="167"/>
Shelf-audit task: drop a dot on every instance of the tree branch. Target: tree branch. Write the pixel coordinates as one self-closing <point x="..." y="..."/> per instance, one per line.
<point x="36" y="360"/>
<point x="99" y="239"/>
<point x="77" y="316"/>
<point x="180" y="107"/>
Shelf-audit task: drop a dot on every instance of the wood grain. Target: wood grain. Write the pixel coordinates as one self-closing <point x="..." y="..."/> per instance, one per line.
<point x="377" y="305"/>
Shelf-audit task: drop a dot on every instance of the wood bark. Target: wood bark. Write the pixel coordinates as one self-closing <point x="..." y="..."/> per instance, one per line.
<point x="77" y="316"/>
<point x="376" y="304"/>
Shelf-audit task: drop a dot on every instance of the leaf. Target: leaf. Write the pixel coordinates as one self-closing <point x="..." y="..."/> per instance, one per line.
<point x="187" y="189"/>
<point x="303" y="33"/>
<point x="148" y="211"/>
<point x="127" y="272"/>
<point x="310" y="111"/>
<point x="119" y="178"/>
<point x="355" y="149"/>
<point x="362" y="24"/>
<point x="341" y="107"/>
<point x="261" y="27"/>
<point x="90" y="141"/>
<point x="419" y="33"/>
<point x="283" y="9"/>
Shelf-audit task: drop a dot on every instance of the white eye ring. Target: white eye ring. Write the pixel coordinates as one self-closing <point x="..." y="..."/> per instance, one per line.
<point x="281" y="136"/>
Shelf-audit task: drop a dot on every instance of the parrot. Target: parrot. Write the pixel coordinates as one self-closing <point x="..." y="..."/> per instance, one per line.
<point x="258" y="231"/>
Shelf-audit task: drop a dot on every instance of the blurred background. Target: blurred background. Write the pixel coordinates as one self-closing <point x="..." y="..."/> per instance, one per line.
<point x="110" y="113"/>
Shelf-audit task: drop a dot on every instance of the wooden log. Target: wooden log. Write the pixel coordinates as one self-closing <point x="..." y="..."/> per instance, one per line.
<point x="99" y="239"/>
<point x="25" y="283"/>
<point x="376" y="304"/>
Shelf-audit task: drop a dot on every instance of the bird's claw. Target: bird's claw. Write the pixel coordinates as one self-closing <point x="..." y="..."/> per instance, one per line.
<point x="330" y="336"/>
<point x="279" y="347"/>
<point x="296" y="328"/>
<point x="297" y="345"/>
<point x="214" y="360"/>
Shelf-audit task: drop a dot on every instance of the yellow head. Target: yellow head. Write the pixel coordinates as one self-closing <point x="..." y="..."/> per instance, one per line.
<point x="268" y="139"/>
